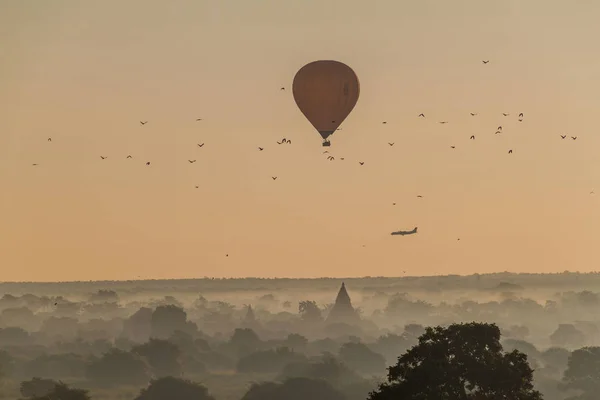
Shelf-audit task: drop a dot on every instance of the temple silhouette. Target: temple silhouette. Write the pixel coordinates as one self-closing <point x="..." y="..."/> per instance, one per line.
<point x="342" y="311"/>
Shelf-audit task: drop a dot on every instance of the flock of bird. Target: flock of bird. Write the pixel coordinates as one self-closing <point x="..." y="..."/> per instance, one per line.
<point x="286" y="141"/>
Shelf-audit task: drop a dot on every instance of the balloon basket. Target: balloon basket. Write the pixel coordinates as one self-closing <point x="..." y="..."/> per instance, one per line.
<point x="326" y="144"/>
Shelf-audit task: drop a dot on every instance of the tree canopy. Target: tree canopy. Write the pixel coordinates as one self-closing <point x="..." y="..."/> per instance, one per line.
<point x="463" y="362"/>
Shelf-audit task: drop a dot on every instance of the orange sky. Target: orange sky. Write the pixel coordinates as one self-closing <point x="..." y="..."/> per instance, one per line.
<point x="86" y="73"/>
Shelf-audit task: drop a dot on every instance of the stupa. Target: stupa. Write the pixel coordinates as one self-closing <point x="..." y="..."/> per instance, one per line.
<point x="342" y="311"/>
<point x="250" y="320"/>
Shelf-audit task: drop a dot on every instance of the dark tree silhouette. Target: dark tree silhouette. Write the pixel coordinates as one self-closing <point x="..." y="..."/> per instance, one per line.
<point x="309" y="311"/>
<point x="166" y="320"/>
<point x="62" y="391"/>
<point x="162" y="355"/>
<point x="119" y="367"/>
<point x="7" y="364"/>
<point x="174" y="388"/>
<point x="37" y="387"/>
<point x="583" y="373"/>
<point x="462" y="361"/>
<point x="269" y="360"/>
<point x="328" y="368"/>
<point x="244" y="341"/>
<point x="567" y="335"/>
<point x="293" y="389"/>
<point x="361" y="358"/>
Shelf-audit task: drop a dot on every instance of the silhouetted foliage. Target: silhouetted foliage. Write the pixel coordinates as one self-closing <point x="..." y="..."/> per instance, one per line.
<point x="566" y="335"/>
<point x="37" y="387"/>
<point x="162" y="356"/>
<point x="268" y="360"/>
<point x="463" y="361"/>
<point x="62" y="391"/>
<point x="174" y="388"/>
<point x="309" y="311"/>
<point x="583" y="373"/>
<point x="119" y="367"/>
<point x="360" y="357"/>
<point x="166" y="320"/>
<point x="293" y="389"/>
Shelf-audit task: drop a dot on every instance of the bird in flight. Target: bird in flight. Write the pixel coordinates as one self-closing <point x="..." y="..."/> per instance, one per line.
<point x="342" y="158"/>
<point x="592" y="192"/>
<point x="35" y="165"/>
<point x="274" y="177"/>
<point x="384" y="122"/>
<point x="361" y="162"/>
<point x="282" y="88"/>
<point x="148" y="163"/>
<point x="473" y="114"/>
<point x="260" y="149"/>
<point x="472" y="137"/>
<point x="129" y="156"/>
<point x="497" y="132"/>
<point x="422" y="115"/>
<point x="143" y="122"/>
<point x="500" y="128"/>
<point x="391" y="144"/>
<point x="330" y="158"/>
<point x="506" y="114"/>
<point x="521" y="115"/>
<point x="325" y="152"/>
<point x="563" y="136"/>
<point x="485" y="61"/>
<point x="419" y="196"/>
<point x="574" y="137"/>
<point x="393" y="204"/>
<point x="510" y="152"/>
<point x="452" y="147"/>
<point x="443" y="122"/>
<point x="102" y="157"/>
<point x="49" y="139"/>
<point x="191" y="161"/>
<point x="197" y="186"/>
<point x="200" y="144"/>
<point x="198" y="119"/>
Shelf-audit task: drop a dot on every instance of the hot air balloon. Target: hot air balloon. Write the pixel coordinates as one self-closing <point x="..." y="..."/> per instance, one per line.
<point x="326" y="91"/>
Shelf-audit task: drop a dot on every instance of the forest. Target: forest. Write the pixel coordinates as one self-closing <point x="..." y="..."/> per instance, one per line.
<point x="518" y="336"/>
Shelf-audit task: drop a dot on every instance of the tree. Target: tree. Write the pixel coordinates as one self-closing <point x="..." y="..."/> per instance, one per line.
<point x="328" y="368"/>
<point x="567" y="335"/>
<point x="62" y="391"/>
<point x="174" y="388"/>
<point x="104" y="296"/>
<point x="361" y="358"/>
<point x="310" y="311"/>
<point x="583" y="373"/>
<point x="462" y="361"/>
<point x="118" y="367"/>
<point x="166" y="320"/>
<point x="162" y="355"/>
<point x="268" y="360"/>
<point x="37" y="387"/>
<point x="293" y="389"/>
<point x="244" y="341"/>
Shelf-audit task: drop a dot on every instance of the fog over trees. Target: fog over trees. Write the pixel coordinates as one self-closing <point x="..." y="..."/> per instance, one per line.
<point x="517" y="336"/>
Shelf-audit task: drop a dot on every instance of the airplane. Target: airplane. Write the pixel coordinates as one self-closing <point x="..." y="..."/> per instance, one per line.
<point x="402" y="233"/>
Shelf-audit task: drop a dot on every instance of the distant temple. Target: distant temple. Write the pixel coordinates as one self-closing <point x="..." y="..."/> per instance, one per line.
<point x="250" y="317"/>
<point x="250" y="320"/>
<point x="342" y="311"/>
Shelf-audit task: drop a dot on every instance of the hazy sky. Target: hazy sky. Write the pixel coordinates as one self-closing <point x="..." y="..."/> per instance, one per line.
<point x="86" y="72"/>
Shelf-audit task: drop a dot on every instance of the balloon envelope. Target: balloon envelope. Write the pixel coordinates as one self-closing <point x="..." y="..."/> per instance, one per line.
<point x="326" y="91"/>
